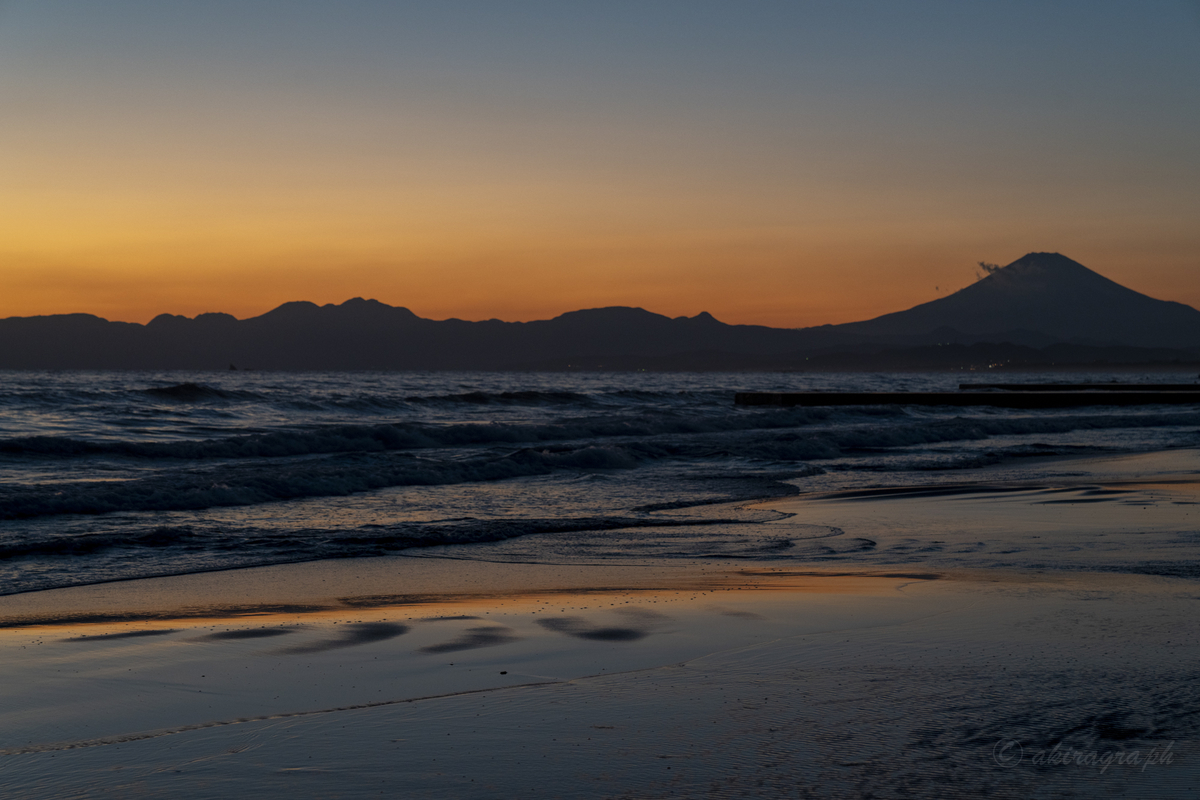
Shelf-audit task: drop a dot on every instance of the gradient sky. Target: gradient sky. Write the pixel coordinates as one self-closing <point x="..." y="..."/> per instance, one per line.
<point x="779" y="162"/>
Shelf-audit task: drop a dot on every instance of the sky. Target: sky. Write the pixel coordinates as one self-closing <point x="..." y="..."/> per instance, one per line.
<point x="774" y="162"/>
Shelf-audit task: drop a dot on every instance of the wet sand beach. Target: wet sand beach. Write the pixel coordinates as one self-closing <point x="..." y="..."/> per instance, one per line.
<point x="992" y="639"/>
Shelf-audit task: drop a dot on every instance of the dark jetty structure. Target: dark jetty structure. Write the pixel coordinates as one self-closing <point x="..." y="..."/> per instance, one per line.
<point x="1081" y="387"/>
<point x="1027" y="396"/>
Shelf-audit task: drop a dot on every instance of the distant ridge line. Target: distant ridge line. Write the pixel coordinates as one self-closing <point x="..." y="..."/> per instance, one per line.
<point x="1043" y="311"/>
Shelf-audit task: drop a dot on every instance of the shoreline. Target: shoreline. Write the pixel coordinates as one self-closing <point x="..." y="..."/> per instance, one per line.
<point x="488" y="569"/>
<point x="437" y="550"/>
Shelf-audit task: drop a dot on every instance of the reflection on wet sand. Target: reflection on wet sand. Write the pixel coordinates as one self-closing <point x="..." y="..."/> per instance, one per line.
<point x="122" y="635"/>
<point x="472" y="638"/>
<point x="355" y="633"/>
<point x="641" y="624"/>
<point x="247" y="633"/>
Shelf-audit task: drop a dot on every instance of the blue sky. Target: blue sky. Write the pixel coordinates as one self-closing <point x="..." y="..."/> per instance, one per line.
<point x="789" y="163"/>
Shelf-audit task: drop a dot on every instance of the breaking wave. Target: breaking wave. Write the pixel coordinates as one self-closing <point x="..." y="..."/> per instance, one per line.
<point x="794" y="434"/>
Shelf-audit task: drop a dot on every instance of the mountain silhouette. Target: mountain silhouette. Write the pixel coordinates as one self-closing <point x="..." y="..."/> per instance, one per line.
<point x="1047" y="297"/>
<point x="1042" y="308"/>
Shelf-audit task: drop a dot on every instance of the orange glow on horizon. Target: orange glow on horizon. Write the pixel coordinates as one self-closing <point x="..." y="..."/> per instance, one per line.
<point x="778" y="286"/>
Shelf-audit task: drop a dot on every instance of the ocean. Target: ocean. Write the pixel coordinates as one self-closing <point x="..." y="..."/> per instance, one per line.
<point x="115" y="475"/>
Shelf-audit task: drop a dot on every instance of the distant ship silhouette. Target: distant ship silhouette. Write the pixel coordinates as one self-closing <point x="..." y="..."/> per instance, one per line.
<point x="1042" y="308"/>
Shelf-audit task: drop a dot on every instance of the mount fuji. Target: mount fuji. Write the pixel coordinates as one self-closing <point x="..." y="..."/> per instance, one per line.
<point x="1043" y="298"/>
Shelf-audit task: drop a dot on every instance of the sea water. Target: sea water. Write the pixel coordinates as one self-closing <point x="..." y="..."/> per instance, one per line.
<point x="116" y="475"/>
